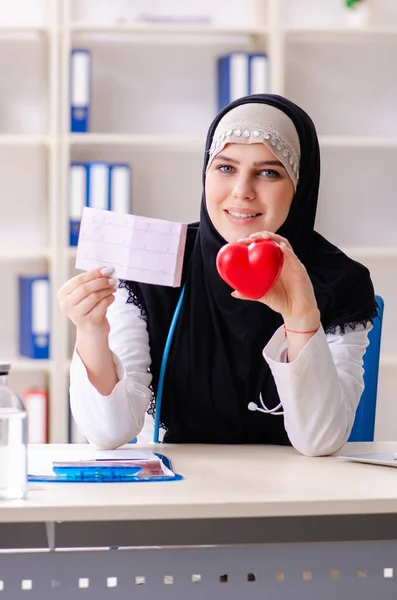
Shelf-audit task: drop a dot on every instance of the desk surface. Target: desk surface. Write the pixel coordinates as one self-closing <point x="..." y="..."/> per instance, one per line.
<point x="221" y="481"/>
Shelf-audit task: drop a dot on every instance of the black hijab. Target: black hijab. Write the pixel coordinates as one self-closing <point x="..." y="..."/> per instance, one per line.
<point x="215" y="367"/>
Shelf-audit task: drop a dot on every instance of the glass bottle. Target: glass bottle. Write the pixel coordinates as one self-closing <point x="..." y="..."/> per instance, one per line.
<point x="13" y="440"/>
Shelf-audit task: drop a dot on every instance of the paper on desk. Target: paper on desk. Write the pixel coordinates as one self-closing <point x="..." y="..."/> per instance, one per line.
<point x="139" y="248"/>
<point x="41" y="458"/>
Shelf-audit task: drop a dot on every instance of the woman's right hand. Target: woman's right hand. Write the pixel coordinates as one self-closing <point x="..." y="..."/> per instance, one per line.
<point x="86" y="298"/>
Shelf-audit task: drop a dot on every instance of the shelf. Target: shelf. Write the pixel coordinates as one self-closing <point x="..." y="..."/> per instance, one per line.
<point x="23" y="140"/>
<point x="353" y="141"/>
<point x="361" y="252"/>
<point x="164" y="140"/>
<point x="16" y="254"/>
<point x="388" y="361"/>
<point x="326" y="34"/>
<point x="19" y="364"/>
<point x="197" y="142"/>
<point x="168" y="29"/>
<point x="23" y="29"/>
<point x="356" y="252"/>
<point x="353" y="251"/>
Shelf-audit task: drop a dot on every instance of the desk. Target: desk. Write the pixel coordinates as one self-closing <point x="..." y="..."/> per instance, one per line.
<point x="246" y="522"/>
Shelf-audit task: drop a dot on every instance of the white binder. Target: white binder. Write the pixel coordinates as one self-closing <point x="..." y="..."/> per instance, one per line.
<point x="259" y="74"/>
<point x="98" y="185"/>
<point x="120" y="188"/>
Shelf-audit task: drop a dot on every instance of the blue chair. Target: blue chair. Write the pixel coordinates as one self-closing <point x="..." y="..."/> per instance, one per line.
<point x="364" y="422"/>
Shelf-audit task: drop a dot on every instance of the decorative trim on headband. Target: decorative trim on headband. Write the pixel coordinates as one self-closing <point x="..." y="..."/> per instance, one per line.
<point x="251" y="132"/>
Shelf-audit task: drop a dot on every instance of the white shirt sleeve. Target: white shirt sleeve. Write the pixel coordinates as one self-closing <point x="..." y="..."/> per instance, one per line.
<point x="110" y="421"/>
<point x="319" y="390"/>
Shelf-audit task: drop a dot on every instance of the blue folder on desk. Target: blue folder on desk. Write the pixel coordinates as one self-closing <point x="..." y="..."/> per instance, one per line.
<point x="114" y="466"/>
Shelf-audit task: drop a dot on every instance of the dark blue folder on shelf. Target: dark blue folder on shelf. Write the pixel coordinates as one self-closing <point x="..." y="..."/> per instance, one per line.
<point x="34" y="317"/>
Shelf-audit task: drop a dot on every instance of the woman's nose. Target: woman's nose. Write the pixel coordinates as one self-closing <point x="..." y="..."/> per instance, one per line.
<point x="243" y="188"/>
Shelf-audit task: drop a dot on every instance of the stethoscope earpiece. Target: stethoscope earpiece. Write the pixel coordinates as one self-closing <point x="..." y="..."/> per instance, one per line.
<point x="275" y="412"/>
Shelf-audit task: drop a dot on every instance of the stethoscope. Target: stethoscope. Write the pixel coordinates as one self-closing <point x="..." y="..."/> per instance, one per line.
<point x="276" y="411"/>
<point x="159" y="396"/>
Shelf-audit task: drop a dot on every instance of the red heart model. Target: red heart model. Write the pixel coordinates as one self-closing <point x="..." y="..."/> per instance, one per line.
<point x="251" y="269"/>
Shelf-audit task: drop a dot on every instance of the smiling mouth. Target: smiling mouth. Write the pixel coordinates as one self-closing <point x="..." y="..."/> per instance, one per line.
<point x="239" y="215"/>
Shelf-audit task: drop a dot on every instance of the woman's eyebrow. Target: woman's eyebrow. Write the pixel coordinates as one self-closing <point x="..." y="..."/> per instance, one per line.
<point x="268" y="163"/>
<point x="261" y="163"/>
<point x="224" y="157"/>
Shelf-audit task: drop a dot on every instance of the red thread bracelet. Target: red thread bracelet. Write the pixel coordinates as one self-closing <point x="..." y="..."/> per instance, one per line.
<point x="303" y="332"/>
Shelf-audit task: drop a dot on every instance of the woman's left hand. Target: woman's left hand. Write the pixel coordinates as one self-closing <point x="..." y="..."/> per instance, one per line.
<point x="292" y="295"/>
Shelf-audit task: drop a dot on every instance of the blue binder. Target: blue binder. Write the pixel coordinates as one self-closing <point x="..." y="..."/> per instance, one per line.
<point x="80" y="90"/>
<point x="98" y="185"/>
<point x="120" y="188"/>
<point x="258" y="74"/>
<point x="77" y="199"/>
<point x="233" y="77"/>
<point x="107" y="471"/>
<point x="241" y="74"/>
<point x="34" y="317"/>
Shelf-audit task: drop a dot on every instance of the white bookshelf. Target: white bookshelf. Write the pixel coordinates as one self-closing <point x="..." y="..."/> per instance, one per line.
<point x="28" y="169"/>
<point x="163" y="140"/>
<point x="368" y="252"/>
<point x="23" y="140"/>
<point x="357" y="141"/>
<point x="20" y="30"/>
<point x="154" y="95"/>
<point x="26" y="365"/>
<point x="173" y="30"/>
<point x="327" y="34"/>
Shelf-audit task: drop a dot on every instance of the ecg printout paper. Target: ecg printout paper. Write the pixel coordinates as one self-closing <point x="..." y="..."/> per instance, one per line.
<point x="139" y="248"/>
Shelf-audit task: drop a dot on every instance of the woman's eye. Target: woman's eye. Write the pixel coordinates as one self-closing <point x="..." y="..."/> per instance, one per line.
<point x="270" y="173"/>
<point x="225" y="169"/>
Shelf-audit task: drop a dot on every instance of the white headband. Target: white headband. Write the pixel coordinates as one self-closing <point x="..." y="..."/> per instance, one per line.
<point x="252" y="123"/>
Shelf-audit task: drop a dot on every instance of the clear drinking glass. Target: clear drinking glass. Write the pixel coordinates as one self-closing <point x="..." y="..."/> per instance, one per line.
<point x="13" y="440"/>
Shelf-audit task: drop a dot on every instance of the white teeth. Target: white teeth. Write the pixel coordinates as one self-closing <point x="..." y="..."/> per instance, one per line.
<point x="242" y="215"/>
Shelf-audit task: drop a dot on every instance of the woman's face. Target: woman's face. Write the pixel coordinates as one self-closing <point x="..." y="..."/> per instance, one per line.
<point x="247" y="190"/>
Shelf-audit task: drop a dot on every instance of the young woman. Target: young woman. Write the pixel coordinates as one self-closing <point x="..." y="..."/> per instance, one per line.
<point x="300" y="346"/>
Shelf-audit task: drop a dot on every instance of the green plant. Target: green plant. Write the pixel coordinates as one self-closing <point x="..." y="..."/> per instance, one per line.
<point x="351" y="3"/>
